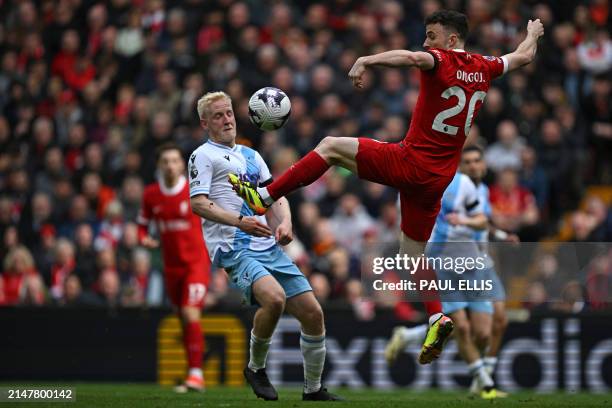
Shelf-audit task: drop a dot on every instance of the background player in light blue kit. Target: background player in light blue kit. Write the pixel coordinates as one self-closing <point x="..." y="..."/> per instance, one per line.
<point x="461" y="220"/>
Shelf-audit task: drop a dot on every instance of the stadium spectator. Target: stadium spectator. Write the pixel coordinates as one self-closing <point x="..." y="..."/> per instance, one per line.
<point x="572" y="298"/>
<point x="98" y="196"/>
<point x="506" y="151"/>
<point x="34" y="218"/>
<point x="533" y="177"/>
<point x="492" y="113"/>
<point x="63" y="266"/>
<point x="320" y="287"/>
<point x="109" y="288"/>
<point x="602" y="220"/>
<point x="350" y="222"/>
<point x="555" y="157"/>
<point x="144" y="286"/>
<point x="111" y="227"/>
<point x="513" y="207"/>
<point x="19" y="270"/>
<point x="598" y="114"/>
<point x="130" y="196"/>
<point x="85" y="257"/>
<point x="73" y="294"/>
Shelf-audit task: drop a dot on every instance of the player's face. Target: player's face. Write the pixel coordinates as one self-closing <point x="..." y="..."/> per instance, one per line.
<point x="171" y="164"/>
<point x="473" y="165"/>
<point x="220" y="122"/>
<point x="436" y="36"/>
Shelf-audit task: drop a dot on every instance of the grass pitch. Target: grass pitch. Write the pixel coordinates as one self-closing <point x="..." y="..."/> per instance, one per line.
<point x="150" y="395"/>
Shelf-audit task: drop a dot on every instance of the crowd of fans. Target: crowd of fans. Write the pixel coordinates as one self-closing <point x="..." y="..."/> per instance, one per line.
<point x="89" y="89"/>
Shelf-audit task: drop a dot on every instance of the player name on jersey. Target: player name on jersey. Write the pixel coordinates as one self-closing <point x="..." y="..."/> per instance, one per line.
<point x="470" y="76"/>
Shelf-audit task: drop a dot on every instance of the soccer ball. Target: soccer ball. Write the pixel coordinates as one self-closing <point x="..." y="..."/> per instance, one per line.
<point x="269" y="108"/>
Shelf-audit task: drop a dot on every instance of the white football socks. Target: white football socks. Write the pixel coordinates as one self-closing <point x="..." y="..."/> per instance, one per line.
<point x="259" y="352"/>
<point x="413" y="335"/>
<point x="196" y="372"/>
<point x="477" y="370"/>
<point x="489" y="364"/>
<point x="313" y="352"/>
<point x="265" y="196"/>
<point x="434" y="317"/>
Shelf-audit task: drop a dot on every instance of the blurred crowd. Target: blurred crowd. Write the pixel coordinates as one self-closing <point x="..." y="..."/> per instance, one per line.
<point x="89" y="89"/>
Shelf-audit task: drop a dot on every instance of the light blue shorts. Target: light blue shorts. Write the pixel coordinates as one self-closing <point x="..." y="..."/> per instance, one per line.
<point x="245" y="267"/>
<point x="479" y="306"/>
<point x="476" y="301"/>
<point x="499" y="292"/>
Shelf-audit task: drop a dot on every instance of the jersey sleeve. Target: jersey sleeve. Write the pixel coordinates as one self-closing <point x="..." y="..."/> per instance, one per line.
<point x="438" y="56"/>
<point x="200" y="174"/>
<point x="487" y="205"/>
<point x="497" y="66"/>
<point x="265" y="177"/>
<point x="472" y="204"/>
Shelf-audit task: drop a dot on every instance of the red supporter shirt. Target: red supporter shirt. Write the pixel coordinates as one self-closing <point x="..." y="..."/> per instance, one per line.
<point x="180" y="229"/>
<point x="512" y="203"/>
<point x="14" y="286"/>
<point x="451" y="95"/>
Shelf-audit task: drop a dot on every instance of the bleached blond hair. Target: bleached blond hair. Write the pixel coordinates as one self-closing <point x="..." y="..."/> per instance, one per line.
<point x="19" y="250"/>
<point x="205" y="101"/>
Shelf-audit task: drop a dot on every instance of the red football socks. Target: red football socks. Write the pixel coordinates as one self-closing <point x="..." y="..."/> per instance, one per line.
<point x="432" y="307"/>
<point x="304" y="172"/>
<point x="430" y="297"/>
<point x="194" y="344"/>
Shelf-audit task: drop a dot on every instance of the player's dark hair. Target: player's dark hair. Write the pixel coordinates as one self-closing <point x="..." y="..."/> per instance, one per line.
<point x="473" y="148"/>
<point x="164" y="147"/>
<point x="450" y="19"/>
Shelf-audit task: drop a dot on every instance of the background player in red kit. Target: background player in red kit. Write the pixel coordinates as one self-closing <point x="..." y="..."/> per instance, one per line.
<point x="186" y="262"/>
<point x="454" y="84"/>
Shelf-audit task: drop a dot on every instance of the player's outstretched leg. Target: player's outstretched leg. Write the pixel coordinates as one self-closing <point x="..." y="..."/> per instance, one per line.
<point x="307" y="310"/>
<point x="331" y="151"/>
<point x="271" y="296"/>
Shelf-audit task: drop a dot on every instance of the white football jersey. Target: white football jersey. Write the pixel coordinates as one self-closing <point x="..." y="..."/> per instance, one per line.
<point x="460" y="197"/>
<point x="208" y="168"/>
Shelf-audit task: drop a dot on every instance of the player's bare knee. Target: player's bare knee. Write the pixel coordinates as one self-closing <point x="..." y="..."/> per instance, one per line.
<point x="275" y="302"/>
<point x="500" y="324"/>
<point x="482" y="338"/>
<point x="190" y="314"/>
<point x="462" y="329"/>
<point x="312" y="320"/>
<point x="327" y="149"/>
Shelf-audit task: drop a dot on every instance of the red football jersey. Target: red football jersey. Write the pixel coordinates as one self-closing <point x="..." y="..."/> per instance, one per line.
<point x="179" y="228"/>
<point x="450" y="96"/>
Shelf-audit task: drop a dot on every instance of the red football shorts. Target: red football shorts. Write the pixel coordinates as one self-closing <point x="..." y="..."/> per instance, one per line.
<point x="420" y="191"/>
<point x="187" y="285"/>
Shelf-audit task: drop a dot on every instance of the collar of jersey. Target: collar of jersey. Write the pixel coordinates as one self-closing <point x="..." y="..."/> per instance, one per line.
<point x="458" y="49"/>
<point x="223" y="146"/>
<point x="173" y="190"/>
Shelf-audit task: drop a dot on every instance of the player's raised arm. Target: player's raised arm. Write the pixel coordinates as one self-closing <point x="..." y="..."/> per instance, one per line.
<point x="526" y="50"/>
<point x="395" y="58"/>
<point x="205" y="208"/>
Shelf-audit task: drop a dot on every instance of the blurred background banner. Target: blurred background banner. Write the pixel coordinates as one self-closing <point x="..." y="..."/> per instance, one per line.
<point x="546" y="353"/>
